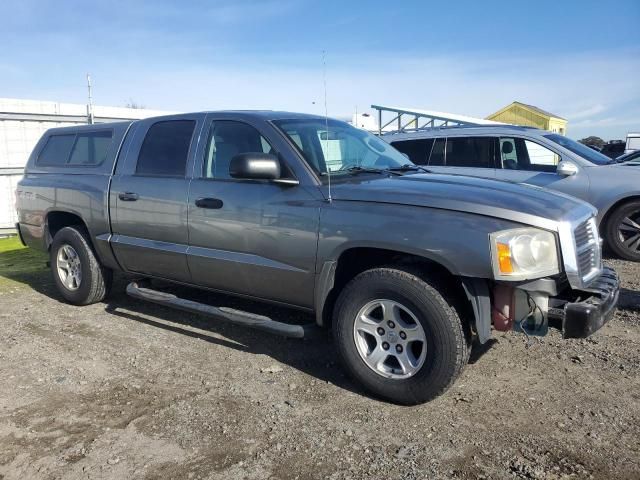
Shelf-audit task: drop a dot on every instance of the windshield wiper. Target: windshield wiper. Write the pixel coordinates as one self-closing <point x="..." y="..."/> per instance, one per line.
<point x="409" y="167"/>
<point x="355" y="169"/>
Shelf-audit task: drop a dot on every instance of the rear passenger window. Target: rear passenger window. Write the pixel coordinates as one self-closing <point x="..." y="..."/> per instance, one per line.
<point x="91" y="148"/>
<point x="165" y="148"/>
<point x="475" y="152"/>
<point x="56" y="151"/>
<point x="417" y="150"/>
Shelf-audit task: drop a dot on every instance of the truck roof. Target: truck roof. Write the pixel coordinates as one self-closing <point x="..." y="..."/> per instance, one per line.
<point x="464" y="129"/>
<point x="269" y="114"/>
<point x="263" y="114"/>
<point x="90" y="127"/>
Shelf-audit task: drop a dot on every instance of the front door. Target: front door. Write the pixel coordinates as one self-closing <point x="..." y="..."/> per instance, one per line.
<point x="251" y="237"/>
<point x="525" y="161"/>
<point x="149" y="195"/>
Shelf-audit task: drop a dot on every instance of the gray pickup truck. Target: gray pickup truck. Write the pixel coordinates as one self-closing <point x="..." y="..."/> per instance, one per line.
<point x="408" y="267"/>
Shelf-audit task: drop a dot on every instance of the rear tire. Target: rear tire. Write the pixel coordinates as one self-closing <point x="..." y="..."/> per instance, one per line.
<point x="422" y="311"/>
<point x="78" y="275"/>
<point x="622" y="231"/>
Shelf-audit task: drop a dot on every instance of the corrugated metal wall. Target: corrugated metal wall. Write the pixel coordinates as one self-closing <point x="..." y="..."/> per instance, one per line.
<point x="17" y="139"/>
<point x="22" y="123"/>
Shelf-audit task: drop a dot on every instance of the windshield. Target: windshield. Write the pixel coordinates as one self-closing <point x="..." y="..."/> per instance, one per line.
<point x="341" y="147"/>
<point x="579" y="149"/>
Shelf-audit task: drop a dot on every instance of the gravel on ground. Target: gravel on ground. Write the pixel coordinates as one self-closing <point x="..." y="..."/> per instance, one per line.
<point x="124" y="389"/>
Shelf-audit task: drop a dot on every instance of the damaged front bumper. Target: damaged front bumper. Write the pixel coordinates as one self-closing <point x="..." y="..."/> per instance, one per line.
<point x="531" y="307"/>
<point x="583" y="312"/>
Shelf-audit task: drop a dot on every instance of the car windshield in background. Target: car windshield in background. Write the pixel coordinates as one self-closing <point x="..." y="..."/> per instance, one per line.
<point x="341" y="148"/>
<point x="635" y="156"/>
<point x="579" y="149"/>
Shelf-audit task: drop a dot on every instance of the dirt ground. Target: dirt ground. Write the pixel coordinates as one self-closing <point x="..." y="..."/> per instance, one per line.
<point x="132" y="390"/>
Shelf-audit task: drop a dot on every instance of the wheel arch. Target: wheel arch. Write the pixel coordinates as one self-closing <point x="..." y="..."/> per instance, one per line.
<point x="335" y="274"/>
<point x="613" y="207"/>
<point x="56" y="220"/>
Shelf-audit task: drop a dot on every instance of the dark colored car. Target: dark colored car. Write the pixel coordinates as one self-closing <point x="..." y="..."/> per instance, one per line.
<point x="613" y="149"/>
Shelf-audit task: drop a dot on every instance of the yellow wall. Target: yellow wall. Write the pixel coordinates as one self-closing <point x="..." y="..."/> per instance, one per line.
<point x="558" y="125"/>
<point x="518" y="115"/>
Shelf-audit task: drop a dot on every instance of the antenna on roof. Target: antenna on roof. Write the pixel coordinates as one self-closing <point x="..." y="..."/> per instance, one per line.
<point x="90" y="102"/>
<point x="326" y="122"/>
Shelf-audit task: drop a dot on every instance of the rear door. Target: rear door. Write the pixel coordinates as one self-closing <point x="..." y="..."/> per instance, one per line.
<point x="251" y="237"/>
<point x="149" y="195"/>
<point x="472" y="156"/>
<point x="523" y="160"/>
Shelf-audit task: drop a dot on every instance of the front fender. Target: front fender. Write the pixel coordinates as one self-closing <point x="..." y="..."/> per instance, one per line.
<point x="458" y="241"/>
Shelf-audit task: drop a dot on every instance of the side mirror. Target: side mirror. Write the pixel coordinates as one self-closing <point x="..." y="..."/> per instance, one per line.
<point x="255" y="166"/>
<point x="566" y="169"/>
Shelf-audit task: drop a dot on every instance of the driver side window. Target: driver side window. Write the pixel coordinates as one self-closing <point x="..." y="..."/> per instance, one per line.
<point x="520" y="154"/>
<point x="227" y="139"/>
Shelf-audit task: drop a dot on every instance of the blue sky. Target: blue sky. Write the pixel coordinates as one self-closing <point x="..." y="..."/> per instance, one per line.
<point x="579" y="59"/>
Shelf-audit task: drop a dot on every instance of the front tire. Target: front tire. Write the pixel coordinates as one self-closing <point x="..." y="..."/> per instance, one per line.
<point x="399" y="335"/>
<point x="78" y="275"/>
<point x="622" y="231"/>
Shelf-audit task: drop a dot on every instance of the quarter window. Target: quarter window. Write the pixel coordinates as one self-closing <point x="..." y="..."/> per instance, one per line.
<point x="56" y="150"/>
<point x="165" y="148"/>
<point x="91" y="148"/>
<point x="417" y="150"/>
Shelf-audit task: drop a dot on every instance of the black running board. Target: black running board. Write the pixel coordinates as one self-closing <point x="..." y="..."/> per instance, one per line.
<point x="238" y="317"/>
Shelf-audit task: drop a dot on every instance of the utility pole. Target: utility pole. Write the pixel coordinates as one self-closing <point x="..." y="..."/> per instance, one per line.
<point x="90" y="103"/>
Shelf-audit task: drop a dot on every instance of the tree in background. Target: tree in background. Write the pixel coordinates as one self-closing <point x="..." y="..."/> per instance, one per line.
<point x="593" y="141"/>
<point x="133" y="104"/>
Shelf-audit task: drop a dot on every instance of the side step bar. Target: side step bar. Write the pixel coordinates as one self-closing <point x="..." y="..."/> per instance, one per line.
<point x="238" y="317"/>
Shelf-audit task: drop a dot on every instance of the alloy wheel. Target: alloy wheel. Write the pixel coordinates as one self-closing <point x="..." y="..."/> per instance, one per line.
<point x="390" y="339"/>
<point x="69" y="267"/>
<point x="629" y="232"/>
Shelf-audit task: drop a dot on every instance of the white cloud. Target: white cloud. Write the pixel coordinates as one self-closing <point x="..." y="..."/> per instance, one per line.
<point x="580" y="88"/>
<point x="588" y="111"/>
<point x="597" y="92"/>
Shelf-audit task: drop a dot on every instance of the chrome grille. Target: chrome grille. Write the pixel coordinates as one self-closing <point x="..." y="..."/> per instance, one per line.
<point x="587" y="249"/>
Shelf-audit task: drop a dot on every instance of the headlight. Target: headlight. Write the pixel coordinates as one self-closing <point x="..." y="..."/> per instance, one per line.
<point x="523" y="254"/>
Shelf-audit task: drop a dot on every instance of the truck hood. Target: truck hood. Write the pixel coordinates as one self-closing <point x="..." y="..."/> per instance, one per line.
<point x="511" y="201"/>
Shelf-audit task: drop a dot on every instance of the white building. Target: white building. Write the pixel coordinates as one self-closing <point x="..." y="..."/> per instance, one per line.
<point x="22" y="123"/>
